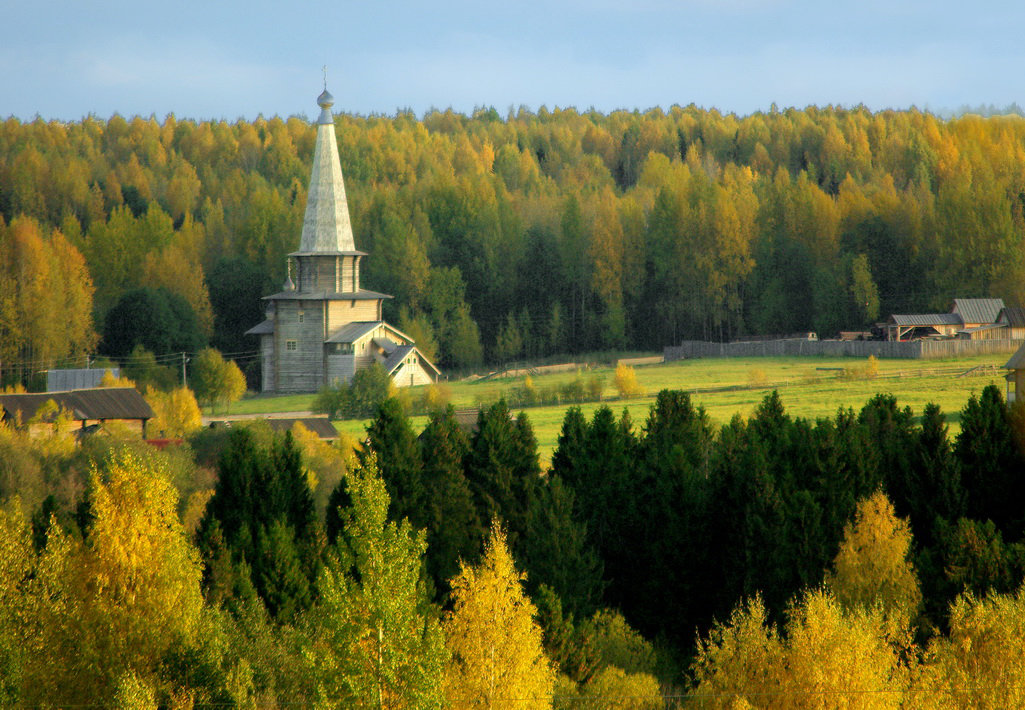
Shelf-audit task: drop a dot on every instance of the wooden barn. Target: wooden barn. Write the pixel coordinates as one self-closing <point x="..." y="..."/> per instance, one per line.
<point x="323" y="327"/>
<point x="1016" y="376"/>
<point x="969" y="318"/>
<point x="86" y="408"/>
<point x="1012" y="320"/>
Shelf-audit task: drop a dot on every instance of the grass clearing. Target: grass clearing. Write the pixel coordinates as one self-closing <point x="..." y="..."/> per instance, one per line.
<point x="811" y="387"/>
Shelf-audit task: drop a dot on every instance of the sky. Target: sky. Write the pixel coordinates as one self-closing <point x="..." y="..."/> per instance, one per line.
<point x="224" y="59"/>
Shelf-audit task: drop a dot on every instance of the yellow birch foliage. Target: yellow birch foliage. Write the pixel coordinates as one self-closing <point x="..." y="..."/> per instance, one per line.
<point x="177" y="412"/>
<point x="626" y="381"/>
<point x="873" y="566"/>
<point x="497" y="658"/>
<point x="981" y="663"/>
<point x="829" y="657"/>
<point x="131" y="592"/>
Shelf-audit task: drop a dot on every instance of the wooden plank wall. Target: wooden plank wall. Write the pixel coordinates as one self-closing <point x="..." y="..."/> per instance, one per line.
<point x="918" y="349"/>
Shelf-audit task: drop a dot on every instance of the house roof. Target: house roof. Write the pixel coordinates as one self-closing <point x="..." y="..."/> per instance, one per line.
<point x="978" y="310"/>
<point x="351" y="332"/>
<point x="1017" y="361"/>
<point x="926" y="319"/>
<point x="98" y="403"/>
<point x="321" y="426"/>
<point x="396" y="357"/>
<point x="399" y="354"/>
<point x="1014" y="316"/>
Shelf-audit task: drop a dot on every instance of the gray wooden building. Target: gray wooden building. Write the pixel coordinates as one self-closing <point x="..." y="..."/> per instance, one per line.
<point x="322" y="326"/>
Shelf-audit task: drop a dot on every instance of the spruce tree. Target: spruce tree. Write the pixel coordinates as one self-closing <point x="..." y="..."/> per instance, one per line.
<point x="454" y="529"/>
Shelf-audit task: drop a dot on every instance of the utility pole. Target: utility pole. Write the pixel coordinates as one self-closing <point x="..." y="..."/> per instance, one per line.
<point x="184" y="360"/>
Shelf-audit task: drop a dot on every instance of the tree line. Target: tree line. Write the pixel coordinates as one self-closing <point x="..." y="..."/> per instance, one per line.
<point x="518" y="236"/>
<point x="652" y="561"/>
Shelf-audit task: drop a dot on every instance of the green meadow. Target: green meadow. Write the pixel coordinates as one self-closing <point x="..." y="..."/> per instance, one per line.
<point x="811" y="387"/>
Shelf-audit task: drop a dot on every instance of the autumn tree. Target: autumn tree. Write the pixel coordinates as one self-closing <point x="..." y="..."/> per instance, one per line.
<point x="873" y="565"/>
<point x="497" y="658"/>
<point x="375" y="640"/>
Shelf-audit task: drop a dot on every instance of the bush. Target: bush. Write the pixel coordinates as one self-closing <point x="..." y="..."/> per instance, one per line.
<point x="626" y="382"/>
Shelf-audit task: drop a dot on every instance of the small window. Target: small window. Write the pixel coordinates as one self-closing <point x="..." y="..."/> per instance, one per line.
<point x="302" y="316"/>
<point x="291" y="345"/>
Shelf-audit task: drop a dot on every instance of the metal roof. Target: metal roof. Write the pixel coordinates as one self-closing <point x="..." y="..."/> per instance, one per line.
<point x="926" y="319"/>
<point x="326" y="226"/>
<point x="396" y="357"/>
<point x="99" y="403"/>
<point x="351" y="332"/>
<point x="978" y="310"/>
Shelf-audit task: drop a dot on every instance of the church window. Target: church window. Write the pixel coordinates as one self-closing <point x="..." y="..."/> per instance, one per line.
<point x="291" y="345"/>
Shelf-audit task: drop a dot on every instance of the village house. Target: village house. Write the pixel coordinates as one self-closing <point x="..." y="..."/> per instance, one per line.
<point x="321" y="328"/>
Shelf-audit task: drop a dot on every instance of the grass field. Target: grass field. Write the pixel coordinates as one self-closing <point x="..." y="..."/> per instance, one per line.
<point x="811" y="387"/>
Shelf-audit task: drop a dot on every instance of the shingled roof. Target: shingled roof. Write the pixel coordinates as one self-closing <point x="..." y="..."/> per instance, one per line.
<point x="101" y="404"/>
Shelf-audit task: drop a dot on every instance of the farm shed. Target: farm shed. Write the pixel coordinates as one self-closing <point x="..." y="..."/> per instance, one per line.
<point x="86" y="407"/>
<point x="1016" y="376"/>
<point x="1013" y="320"/>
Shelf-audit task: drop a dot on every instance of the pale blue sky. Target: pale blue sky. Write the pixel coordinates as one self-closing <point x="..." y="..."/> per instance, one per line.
<point x="226" y="59"/>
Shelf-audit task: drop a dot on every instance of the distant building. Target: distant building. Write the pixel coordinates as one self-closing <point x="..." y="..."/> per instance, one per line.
<point x="323" y="327"/>
<point x="969" y="318"/>
<point x="87" y="408"/>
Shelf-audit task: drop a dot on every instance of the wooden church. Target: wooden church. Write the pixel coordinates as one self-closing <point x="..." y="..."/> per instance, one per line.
<point x="322" y="327"/>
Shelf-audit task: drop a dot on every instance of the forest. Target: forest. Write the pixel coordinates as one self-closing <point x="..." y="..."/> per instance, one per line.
<point x="869" y="559"/>
<point x="507" y="237"/>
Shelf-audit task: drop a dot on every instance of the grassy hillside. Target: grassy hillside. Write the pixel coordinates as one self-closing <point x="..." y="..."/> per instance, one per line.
<point x="810" y="386"/>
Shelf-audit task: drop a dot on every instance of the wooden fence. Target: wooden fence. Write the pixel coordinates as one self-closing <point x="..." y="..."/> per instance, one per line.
<point x="914" y="350"/>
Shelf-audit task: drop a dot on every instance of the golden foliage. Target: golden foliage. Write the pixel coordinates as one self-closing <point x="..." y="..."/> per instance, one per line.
<point x="828" y="657"/>
<point x="626" y="381"/>
<point x="177" y="413"/>
<point x="981" y="663"/>
<point x="497" y="658"/>
<point x="873" y="567"/>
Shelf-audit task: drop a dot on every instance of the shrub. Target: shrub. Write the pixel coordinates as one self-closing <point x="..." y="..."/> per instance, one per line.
<point x="626" y="381"/>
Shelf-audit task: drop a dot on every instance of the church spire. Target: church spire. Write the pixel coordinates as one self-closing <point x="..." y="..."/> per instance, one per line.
<point x="326" y="226"/>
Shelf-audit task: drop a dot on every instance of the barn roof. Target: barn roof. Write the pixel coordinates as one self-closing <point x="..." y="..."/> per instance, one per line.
<point x="99" y="403"/>
<point x="926" y="319"/>
<point x="1017" y="361"/>
<point x="321" y="426"/>
<point x="978" y="310"/>
<point x="1014" y="316"/>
